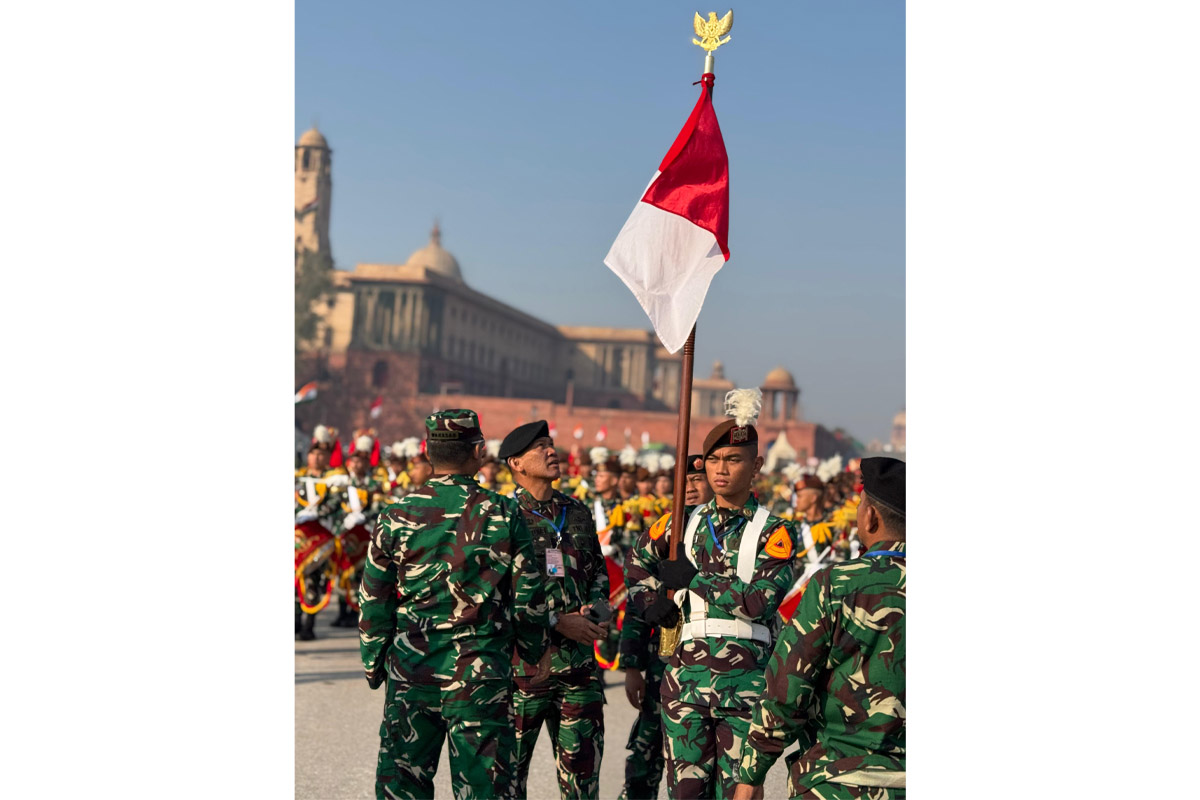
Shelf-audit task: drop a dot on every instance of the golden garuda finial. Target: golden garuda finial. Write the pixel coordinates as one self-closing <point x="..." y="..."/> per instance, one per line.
<point x="711" y="30"/>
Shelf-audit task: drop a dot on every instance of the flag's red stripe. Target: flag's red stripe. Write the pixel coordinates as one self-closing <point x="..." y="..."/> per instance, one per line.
<point x="695" y="174"/>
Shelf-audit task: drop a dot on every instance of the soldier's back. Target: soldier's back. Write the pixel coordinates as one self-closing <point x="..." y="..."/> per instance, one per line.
<point x="452" y="547"/>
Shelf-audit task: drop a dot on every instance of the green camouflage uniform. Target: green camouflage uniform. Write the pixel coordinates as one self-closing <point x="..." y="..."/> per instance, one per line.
<point x="639" y="651"/>
<point x="835" y="683"/>
<point x="712" y="683"/>
<point x="571" y="701"/>
<point x="451" y="587"/>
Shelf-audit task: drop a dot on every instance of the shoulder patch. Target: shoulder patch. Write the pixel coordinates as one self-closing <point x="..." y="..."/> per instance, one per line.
<point x="659" y="528"/>
<point x="779" y="545"/>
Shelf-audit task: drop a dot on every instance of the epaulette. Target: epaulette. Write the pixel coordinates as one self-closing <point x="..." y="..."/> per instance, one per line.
<point x="335" y="471"/>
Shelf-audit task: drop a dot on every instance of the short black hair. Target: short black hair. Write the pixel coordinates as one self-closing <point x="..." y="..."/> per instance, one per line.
<point x="892" y="520"/>
<point x="453" y="453"/>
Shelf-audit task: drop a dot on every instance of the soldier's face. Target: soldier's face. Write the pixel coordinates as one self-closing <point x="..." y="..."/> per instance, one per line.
<point x="605" y="481"/>
<point x="806" y="499"/>
<point x="731" y="470"/>
<point x="645" y="487"/>
<point x="540" y="460"/>
<point x="698" y="490"/>
<point x="316" y="460"/>
<point x="420" y="472"/>
<point x="357" y="465"/>
<point x="662" y="485"/>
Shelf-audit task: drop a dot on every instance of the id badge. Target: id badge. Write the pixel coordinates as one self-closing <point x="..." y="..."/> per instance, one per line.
<point x="554" y="562"/>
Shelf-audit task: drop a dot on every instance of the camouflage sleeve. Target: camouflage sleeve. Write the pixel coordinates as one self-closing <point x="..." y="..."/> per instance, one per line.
<point x="599" y="591"/>
<point x="530" y="612"/>
<point x="792" y="672"/>
<point x="635" y="640"/>
<point x="377" y="599"/>
<point x="641" y="567"/>
<point x="772" y="578"/>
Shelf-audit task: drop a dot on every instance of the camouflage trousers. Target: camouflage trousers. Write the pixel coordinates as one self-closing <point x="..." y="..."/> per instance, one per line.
<point x="704" y="749"/>
<point x="417" y="718"/>
<point x="573" y="711"/>
<point x="840" y="791"/>
<point x="644" y="766"/>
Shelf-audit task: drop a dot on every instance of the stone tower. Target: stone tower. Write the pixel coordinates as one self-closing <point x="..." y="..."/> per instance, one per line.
<point x="314" y="187"/>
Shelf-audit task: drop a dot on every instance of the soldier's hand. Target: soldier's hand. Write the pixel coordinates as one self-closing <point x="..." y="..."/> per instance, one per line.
<point x="578" y="628"/>
<point x="676" y="574"/>
<point x="543" y="667"/>
<point x="376" y="678"/>
<point x="635" y="687"/>
<point x="745" y="791"/>
<point x="662" y="613"/>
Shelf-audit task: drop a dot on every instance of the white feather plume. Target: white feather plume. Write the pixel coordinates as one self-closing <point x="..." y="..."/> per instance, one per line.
<point x="793" y="472"/>
<point x="493" y="448"/>
<point x="598" y="455"/>
<point x="409" y="447"/>
<point x="666" y="462"/>
<point x="649" y="460"/>
<point x="829" y="468"/>
<point x="743" y="405"/>
<point x="321" y="434"/>
<point x="628" y="456"/>
<point x="363" y="444"/>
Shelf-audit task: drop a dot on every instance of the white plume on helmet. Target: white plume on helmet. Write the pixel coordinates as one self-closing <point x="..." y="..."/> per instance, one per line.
<point x="793" y="472"/>
<point x="743" y="405"/>
<point x="408" y="447"/>
<point x="649" y="460"/>
<point x="321" y="435"/>
<point x="829" y="467"/>
<point x="598" y="455"/>
<point x="363" y="444"/>
<point x="666" y="461"/>
<point x="628" y="457"/>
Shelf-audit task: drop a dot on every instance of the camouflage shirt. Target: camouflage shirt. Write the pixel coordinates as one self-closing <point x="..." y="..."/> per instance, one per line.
<point x="584" y="579"/>
<point x="450" y="587"/>
<point x="720" y="671"/>
<point x="835" y="682"/>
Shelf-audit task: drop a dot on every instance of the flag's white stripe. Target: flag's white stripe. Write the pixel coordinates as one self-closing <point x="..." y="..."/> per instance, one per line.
<point x="677" y="258"/>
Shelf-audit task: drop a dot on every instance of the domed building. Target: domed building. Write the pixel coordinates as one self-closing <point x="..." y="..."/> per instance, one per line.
<point x="436" y="258"/>
<point x="898" y="431"/>
<point x="781" y="398"/>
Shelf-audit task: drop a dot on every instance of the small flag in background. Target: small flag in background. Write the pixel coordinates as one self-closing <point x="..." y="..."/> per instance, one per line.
<point x="307" y="392"/>
<point x="377" y="407"/>
<point x="677" y="236"/>
<point x="602" y="434"/>
<point x="553" y="431"/>
<point x="578" y="431"/>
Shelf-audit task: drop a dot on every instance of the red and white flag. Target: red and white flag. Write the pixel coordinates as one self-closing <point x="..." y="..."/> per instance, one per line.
<point x="677" y="236"/>
<point x="578" y="432"/>
<point x="553" y="431"/>
<point x="602" y="434"/>
<point x="377" y="407"/>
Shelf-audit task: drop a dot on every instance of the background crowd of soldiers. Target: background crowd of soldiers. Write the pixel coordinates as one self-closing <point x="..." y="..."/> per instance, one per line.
<point x="599" y="591"/>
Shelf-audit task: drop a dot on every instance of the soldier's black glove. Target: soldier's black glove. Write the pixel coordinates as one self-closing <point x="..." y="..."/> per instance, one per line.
<point x="676" y="574"/>
<point x="376" y="678"/>
<point x="662" y="613"/>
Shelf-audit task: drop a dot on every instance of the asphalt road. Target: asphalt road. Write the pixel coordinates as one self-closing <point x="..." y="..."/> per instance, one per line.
<point x="337" y="729"/>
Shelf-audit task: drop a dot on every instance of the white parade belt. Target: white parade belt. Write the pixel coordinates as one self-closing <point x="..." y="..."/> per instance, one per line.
<point x="726" y="628"/>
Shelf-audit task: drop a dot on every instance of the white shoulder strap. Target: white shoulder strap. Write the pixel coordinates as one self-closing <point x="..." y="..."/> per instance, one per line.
<point x="698" y="609"/>
<point x="598" y="513"/>
<point x="748" y="550"/>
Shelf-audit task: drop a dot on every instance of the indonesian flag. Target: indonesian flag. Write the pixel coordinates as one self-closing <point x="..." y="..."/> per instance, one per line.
<point x="307" y="392"/>
<point x="578" y="432"/>
<point x="377" y="407"/>
<point x="677" y="236"/>
<point x="602" y="434"/>
<point x="553" y="431"/>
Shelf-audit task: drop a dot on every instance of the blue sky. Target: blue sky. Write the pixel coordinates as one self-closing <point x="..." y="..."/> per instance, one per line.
<point x="530" y="130"/>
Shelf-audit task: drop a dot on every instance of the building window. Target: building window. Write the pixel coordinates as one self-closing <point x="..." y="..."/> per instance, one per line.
<point x="304" y="158"/>
<point x="450" y="346"/>
<point x="379" y="375"/>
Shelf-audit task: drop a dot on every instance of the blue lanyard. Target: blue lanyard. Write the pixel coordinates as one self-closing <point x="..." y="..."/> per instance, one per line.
<point x="558" y="526"/>
<point x="713" y="531"/>
<point x="885" y="553"/>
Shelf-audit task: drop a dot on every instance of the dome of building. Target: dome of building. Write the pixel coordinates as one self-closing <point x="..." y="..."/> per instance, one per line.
<point x="899" y="418"/>
<point x="435" y="258"/>
<point x="313" y="138"/>
<point x="779" y="378"/>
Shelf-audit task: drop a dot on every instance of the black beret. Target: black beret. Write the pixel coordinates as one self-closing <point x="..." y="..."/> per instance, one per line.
<point x="883" y="480"/>
<point x="519" y="439"/>
<point x="692" y="469"/>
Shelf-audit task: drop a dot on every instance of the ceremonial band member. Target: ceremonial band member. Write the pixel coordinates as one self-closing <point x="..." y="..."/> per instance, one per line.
<point x="316" y="520"/>
<point x="451" y="587"/>
<point x="571" y="701"/>
<point x="733" y="569"/>
<point x="836" y="679"/>
<point x="641" y="663"/>
<point x="361" y="500"/>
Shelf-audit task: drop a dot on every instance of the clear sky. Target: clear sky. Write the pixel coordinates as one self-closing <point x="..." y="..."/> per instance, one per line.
<point x="530" y="129"/>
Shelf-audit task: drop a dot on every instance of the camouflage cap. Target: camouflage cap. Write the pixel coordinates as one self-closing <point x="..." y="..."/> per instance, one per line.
<point x="453" y="425"/>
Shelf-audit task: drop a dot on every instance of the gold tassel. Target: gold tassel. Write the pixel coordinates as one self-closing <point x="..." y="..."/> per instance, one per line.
<point x="669" y="638"/>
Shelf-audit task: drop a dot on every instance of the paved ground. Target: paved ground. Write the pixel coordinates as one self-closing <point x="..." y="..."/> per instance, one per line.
<point x="337" y="729"/>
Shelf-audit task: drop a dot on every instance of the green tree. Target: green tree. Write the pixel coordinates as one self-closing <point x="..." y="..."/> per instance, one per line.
<point x="313" y="285"/>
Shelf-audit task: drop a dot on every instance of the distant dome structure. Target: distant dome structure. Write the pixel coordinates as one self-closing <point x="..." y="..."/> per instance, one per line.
<point x="436" y="258"/>
<point x="313" y="138"/>
<point x="779" y="378"/>
<point x="899" y="418"/>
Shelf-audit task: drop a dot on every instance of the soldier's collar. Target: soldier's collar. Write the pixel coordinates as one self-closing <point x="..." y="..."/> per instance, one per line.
<point x="526" y="498"/>
<point x="461" y="480"/>
<point x="898" y="546"/>
<point x="747" y="510"/>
